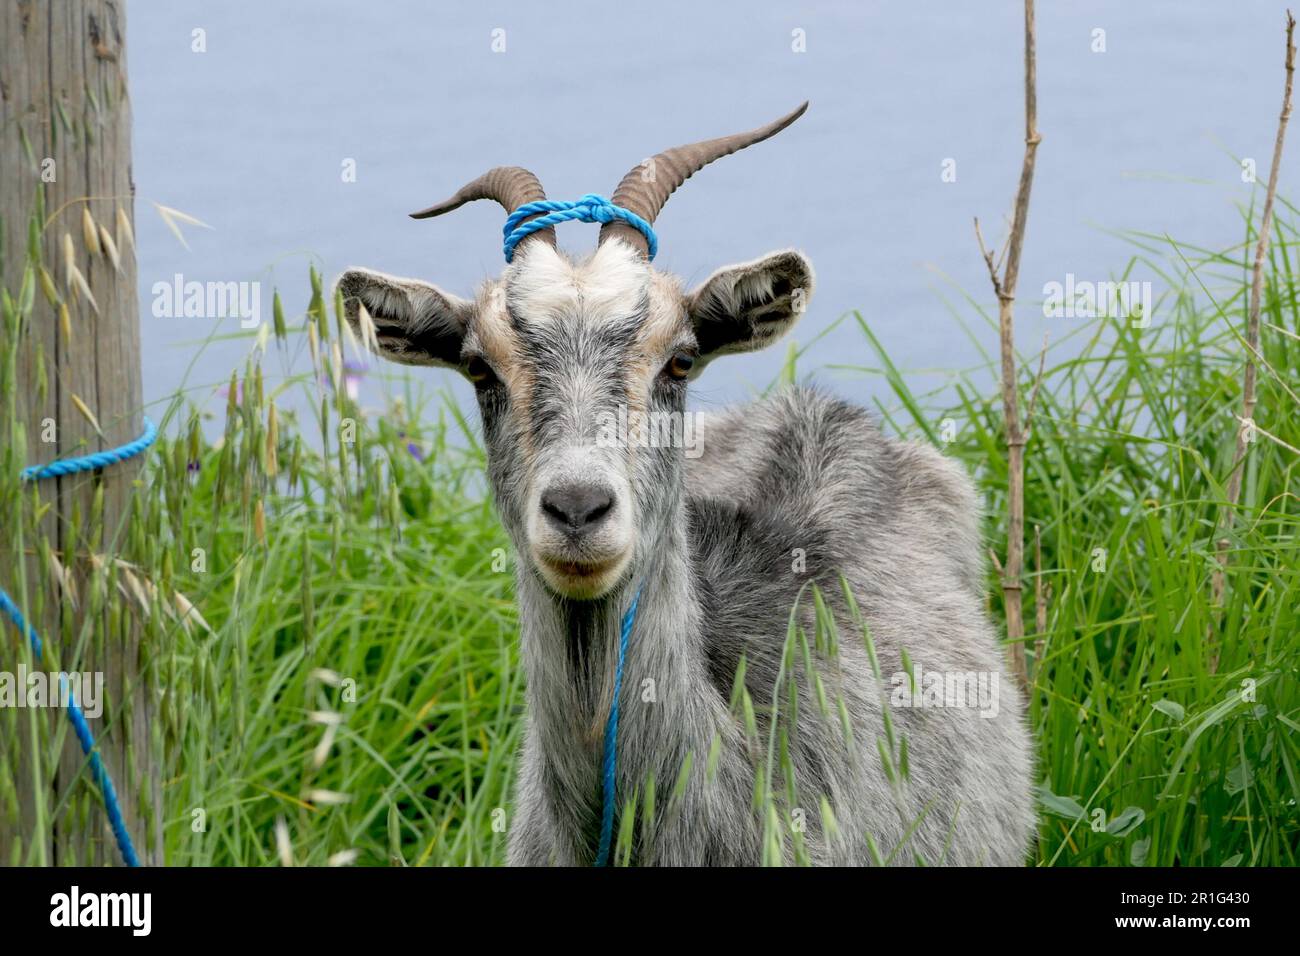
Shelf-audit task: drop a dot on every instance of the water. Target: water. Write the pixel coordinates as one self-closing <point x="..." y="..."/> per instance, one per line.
<point x="251" y="137"/>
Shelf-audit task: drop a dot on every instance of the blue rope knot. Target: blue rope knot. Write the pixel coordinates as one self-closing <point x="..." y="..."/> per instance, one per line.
<point x="590" y="208"/>
<point x="597" y="207"/>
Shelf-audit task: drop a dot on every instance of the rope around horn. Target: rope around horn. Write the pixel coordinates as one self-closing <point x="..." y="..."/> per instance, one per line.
<point x="590" y="208"/>
<point x="103" y="780"/>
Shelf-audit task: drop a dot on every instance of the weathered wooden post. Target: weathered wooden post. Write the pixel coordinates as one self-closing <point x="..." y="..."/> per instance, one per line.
<point x="66" y="197"/>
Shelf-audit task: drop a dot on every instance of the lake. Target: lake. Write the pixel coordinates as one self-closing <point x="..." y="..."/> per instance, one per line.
<point x="915" y="127"/>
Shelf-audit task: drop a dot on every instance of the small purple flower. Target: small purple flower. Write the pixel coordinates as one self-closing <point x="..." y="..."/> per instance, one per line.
<point x="353" y="373"/>
<point x="416" y="451"/>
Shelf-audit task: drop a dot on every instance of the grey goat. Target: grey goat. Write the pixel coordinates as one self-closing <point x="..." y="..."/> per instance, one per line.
<point x="722" y="537"/>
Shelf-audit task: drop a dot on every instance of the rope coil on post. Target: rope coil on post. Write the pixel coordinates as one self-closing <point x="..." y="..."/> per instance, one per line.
<point x="97" y="460"/>
<point x="91" y="462"/>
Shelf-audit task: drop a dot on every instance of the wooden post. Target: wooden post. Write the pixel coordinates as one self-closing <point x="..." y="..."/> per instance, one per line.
<point x="65" y="133"/>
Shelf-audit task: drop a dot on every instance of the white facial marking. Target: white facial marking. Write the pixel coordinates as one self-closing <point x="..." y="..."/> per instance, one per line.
<point x="545" y="287"/>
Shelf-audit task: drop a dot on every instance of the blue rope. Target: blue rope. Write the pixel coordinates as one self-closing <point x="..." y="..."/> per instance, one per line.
<point x="84" y="736"/>
<point x="92" y="462"/>
<point x="611" y="738"/>
<point x="97" y="460"/>
<point x="590" y="208"/>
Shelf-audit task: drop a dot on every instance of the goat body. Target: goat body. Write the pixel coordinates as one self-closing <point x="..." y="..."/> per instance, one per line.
<point x="821" y="753"/>
<point x="797" y="488"/>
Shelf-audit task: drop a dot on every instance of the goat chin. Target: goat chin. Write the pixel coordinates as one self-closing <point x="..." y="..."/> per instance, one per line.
<point x="581" y="580"/>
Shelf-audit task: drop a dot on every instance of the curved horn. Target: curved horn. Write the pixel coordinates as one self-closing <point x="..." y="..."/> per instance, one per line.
<point x="672" y="168"/>
<point x="511" y="186"/>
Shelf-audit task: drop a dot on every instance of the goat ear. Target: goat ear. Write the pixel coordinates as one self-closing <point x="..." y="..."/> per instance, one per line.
<point x="749" y="306"/>
<point x="415" y="323"/>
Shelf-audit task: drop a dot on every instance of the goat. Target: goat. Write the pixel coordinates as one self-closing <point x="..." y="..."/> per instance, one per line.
<point x="799" y="488"/>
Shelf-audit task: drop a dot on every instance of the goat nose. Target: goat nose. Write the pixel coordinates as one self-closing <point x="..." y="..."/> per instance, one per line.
<point x="577" y="507"/>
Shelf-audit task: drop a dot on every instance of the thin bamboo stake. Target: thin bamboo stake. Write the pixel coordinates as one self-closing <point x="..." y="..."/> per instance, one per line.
<point x="1040" y="599"/>
<point x="1246" y="427"/>
<point x="1004" y="287"/>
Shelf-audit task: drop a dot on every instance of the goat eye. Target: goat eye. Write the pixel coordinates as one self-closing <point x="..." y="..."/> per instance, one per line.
<point x="478" y="371"/>
<point x="680" y="365"/>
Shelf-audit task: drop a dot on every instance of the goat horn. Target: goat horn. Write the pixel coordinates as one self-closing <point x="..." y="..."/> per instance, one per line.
<point x="673" y="167"/>
<point x="511" y="186"/>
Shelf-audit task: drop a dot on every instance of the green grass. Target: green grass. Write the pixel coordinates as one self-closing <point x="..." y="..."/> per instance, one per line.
<point x="1148" y="753"/>
<point x="353" y="687"/>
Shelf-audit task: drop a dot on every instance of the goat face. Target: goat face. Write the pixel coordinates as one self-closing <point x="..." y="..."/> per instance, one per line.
<point x="580" y="369"/>
<point x="563" y="352"/>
